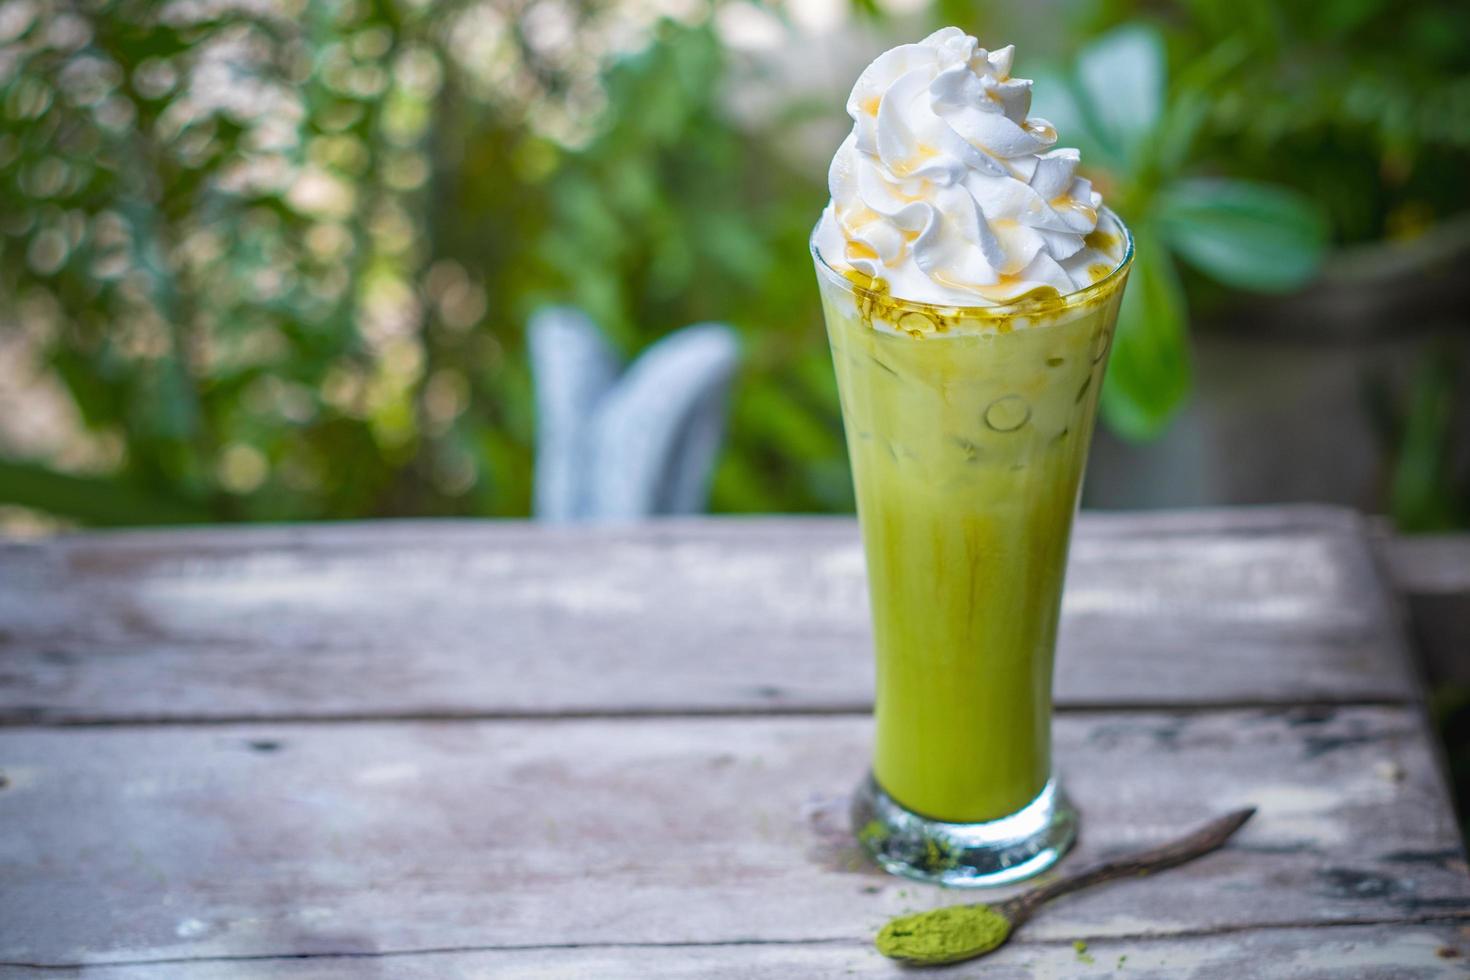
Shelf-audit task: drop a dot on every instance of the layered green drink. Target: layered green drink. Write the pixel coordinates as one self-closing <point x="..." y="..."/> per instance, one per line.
<point x="970" y="296"/>
<point x="967" y="432"/>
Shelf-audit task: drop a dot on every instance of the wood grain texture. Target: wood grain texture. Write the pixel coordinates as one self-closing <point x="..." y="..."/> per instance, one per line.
<point x="287" y="839"/>
<point x="483" y="619"/>
<point x="1421" y="951"/>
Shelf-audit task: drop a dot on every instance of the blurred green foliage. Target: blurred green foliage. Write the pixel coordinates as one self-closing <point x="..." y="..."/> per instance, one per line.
<point x="1282" y="126"/>
<point x="276" y="258"/>
<point x="1426" y="493"/>
<point x="1362" y="104"/>
<point x="281" y="262"/>
<point x="1137" y="133"/>
<point x="674" y="215"/>
<point x="212" y="232"/>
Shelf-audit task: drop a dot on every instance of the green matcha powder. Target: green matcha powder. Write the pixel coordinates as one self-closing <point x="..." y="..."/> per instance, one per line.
<point x="956" y="932"/>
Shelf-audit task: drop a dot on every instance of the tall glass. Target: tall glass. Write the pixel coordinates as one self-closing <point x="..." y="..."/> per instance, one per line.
<point x="968" y="431"/>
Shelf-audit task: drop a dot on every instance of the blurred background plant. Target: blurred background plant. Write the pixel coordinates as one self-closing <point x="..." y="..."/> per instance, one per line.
<point x="1138" y="134"/>
<point x="272" y="259"/>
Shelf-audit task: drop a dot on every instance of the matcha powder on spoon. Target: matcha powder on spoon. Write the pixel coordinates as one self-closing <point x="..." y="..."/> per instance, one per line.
<point x="957" y="932"/>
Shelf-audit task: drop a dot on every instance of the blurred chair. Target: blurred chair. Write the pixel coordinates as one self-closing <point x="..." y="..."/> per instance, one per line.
<point x="615" y="444"/>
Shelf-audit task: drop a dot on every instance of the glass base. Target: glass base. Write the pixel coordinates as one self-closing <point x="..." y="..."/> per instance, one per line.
<point x="964" y="855"/>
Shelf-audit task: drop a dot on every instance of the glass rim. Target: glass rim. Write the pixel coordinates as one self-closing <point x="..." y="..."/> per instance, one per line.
<point x="1018" y="307"/>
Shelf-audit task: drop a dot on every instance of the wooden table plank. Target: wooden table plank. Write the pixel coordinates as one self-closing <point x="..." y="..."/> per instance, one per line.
<point x="1425" y="950"/>
<point x="287" y="839"/>
<point x="484" y="619"/>
<point x="1426" y="564"/>
<point x="1431" y="574"/>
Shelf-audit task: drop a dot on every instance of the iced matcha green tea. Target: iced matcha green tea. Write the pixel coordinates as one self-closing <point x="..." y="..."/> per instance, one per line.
<point x="970" y="285"/>
<point x="967" y="438"/>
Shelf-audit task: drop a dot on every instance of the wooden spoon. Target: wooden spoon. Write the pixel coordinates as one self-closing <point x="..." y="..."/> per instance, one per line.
<point x="891" y="940"/>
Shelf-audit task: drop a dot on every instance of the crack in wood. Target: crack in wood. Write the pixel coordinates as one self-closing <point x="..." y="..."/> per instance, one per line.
<point x="1020" y="940"/>
<point x="39" y="718"/>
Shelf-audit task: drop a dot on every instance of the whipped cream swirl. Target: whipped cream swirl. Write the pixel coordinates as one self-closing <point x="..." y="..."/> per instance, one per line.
<point x="946" y="191"/>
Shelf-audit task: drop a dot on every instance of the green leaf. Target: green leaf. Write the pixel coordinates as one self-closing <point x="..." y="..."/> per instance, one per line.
<point x="1253" y="236"/>
<point x="90" y="500"/>
<point x="770" y="413"/>
<point x="1149" y="372"/>
<point x="1423" y="495"/>
<point x="93" y="396"/>
<point x="1054" y="99"/>
<point x="1174" y="141"/>
<point x="1121" y="75"/>
<point x="739" y="484"/>
<point x="741" y="253"/>
<point x="1194" y="94"/>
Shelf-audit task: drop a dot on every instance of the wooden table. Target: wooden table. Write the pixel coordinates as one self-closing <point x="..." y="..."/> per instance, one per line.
<point x="477" y="749"/>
